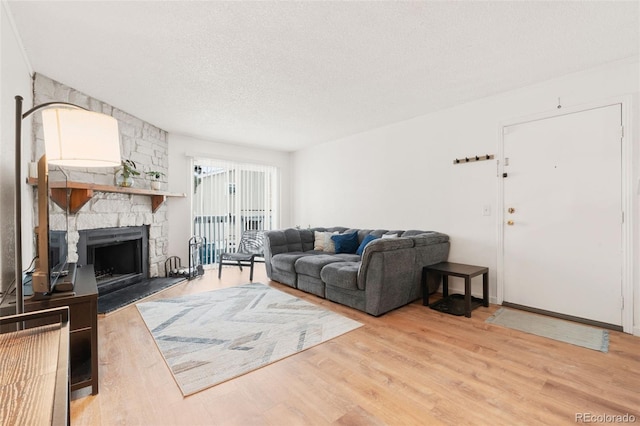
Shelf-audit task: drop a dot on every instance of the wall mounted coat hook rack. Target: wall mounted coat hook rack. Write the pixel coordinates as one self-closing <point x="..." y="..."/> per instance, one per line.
<point x="473" y="159"/>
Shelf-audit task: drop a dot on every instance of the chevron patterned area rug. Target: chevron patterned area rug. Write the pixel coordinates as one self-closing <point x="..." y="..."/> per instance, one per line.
<point x="208" y="338"/>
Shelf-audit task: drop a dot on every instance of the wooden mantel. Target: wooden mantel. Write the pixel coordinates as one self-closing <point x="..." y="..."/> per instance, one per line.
<point x="81" y="192"/>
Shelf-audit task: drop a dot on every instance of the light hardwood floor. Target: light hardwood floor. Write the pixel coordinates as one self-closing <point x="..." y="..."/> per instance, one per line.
<point x="410" y="366"/>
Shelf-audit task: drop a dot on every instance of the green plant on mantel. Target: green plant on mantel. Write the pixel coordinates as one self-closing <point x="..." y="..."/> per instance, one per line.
<point x="125" y="173"/>
<point x="154" y="174"/>
<point x="129" y="169"/>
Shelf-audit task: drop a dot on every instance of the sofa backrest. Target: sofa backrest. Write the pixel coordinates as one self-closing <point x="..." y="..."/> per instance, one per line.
<point x="293" y="239"/>
<point x="289" y="240"/>
<point x="340" y="229"/>
<point x="427" y="238"/>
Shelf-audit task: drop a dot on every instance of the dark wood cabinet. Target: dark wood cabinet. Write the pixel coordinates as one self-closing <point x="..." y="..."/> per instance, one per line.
<point x="83" y="326"/>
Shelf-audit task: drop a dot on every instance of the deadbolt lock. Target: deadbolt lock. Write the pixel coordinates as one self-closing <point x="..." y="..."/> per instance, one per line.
<point x="511" y="210"/>
<point x="509" y="222"/>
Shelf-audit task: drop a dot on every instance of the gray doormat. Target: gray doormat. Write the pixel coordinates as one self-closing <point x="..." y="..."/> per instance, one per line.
<point x="553" y="328"/>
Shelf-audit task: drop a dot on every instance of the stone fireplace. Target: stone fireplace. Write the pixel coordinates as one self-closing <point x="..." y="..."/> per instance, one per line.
<point x="110" y="213"/>
<point x="120" y="256"/>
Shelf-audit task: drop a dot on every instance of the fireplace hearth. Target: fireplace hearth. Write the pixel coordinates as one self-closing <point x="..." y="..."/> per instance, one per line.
<point x="120" y="256"/>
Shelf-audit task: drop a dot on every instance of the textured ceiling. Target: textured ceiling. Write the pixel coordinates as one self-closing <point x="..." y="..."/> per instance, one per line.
<point x="285" y="75"/>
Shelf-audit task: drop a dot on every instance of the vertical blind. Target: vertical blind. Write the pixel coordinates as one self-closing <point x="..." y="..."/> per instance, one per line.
<point x="228" y="198"/>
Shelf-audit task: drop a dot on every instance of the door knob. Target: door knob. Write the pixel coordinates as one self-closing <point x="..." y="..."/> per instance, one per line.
<point x="509" y="222"/>
<point x="511" y="210"/>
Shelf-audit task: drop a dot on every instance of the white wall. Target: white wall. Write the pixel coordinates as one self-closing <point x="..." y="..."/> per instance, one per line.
<point x="402" y="175"/>
<point x="182" y="149"/>
<point x="15" y="79"/>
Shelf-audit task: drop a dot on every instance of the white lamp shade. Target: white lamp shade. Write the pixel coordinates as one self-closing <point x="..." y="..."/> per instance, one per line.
<point x="79" y="138"/>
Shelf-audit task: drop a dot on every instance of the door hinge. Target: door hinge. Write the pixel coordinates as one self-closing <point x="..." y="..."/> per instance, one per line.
<point x="622" y="303"/>
<point x="622" y="216"/>
<point x="621" y="132"/>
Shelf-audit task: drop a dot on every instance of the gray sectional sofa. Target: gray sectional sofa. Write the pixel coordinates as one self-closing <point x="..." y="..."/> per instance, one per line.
<point x="385" y="276"/>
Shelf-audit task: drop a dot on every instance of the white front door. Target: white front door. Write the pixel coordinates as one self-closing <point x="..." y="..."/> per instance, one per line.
<point x="563" y="214"/>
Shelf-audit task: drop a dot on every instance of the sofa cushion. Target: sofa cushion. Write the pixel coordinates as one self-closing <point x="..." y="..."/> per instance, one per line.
<point x="286" y="261"/>
<point x="329" y="245"/>
<point x="312" y="265"/>
<point x="346" y="257"/>
<point x="364" y="243"/>
<point x="318" y="243"/>
<point x="341" y="274"/>
<point x="346" y="243"/>
<point x="319" y="236"/>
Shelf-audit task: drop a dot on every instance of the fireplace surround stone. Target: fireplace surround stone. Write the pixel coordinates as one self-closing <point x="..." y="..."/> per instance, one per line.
<point x="141" y="142"/>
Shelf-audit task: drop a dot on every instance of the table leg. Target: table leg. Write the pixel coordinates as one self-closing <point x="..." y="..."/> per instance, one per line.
<point x="485" y="289"/>
<point x="445" y="285"/>
<point x="425" y="292"/>
<point x="467" y="297"/>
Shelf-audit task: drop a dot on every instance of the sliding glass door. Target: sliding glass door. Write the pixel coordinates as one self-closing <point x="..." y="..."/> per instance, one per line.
<point x="229" y="198"/>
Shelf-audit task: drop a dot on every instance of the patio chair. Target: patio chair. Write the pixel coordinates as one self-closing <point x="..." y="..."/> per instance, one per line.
<point x="250" y="250"/>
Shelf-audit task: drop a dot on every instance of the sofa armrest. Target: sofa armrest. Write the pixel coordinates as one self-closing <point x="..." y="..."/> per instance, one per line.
<point x="390" y="270"/>
<point x="428" y="238"/>
<point x="410" y="239"/>
<point x="380" y="245"/>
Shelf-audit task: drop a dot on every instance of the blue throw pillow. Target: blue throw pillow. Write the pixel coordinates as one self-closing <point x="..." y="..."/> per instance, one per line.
<point x="366" y="240"/>
<point x="346" y="243"/>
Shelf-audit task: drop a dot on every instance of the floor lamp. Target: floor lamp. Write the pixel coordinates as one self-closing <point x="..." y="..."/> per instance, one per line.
<point x="73" y="137"/>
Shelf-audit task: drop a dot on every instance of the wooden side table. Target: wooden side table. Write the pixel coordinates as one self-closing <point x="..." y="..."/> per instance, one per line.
<point x="467" y="272"/>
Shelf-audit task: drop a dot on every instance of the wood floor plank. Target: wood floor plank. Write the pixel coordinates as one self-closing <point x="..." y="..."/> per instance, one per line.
<point x="410" y="366"/>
